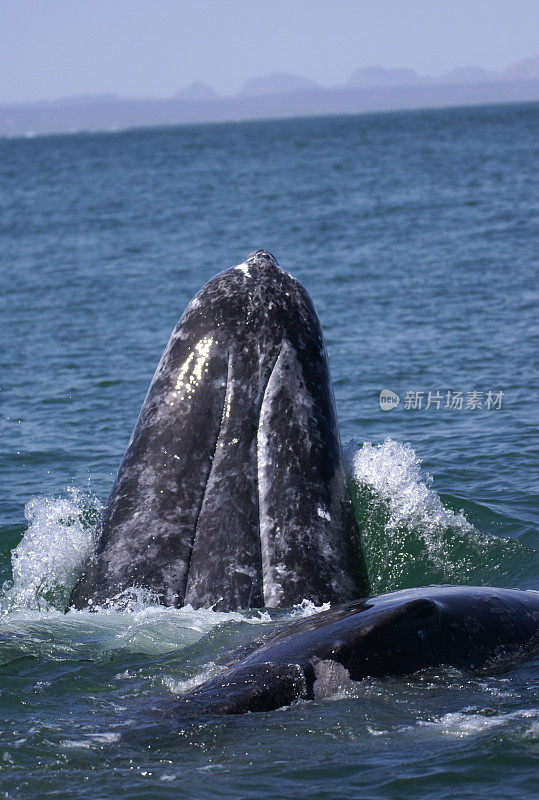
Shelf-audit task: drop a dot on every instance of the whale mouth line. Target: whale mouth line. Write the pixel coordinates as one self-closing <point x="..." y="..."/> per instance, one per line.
<point x="259" y="418"/>
<point x="208" y="477"/>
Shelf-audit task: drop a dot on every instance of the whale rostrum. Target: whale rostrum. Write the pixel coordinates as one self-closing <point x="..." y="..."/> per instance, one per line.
<point x="232" y="492"/>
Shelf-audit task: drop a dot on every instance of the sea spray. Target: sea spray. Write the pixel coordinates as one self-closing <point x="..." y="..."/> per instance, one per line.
<point x="410" y="538"/>
<point x="47" y="561"/>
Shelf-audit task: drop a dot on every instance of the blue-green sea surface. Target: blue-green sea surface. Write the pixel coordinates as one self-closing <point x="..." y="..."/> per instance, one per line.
<point x="416" y="235"/>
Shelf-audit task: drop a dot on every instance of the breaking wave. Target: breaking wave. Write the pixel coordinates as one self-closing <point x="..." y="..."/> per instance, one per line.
<point x="409" y="537"/>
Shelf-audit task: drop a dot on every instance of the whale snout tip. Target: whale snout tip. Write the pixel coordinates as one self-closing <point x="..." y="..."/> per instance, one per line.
<point x="262" y="267"/>
<point x="260" y="256"/>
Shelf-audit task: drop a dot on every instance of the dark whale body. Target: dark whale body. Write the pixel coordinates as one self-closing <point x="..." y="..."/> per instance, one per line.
<point x="232" y="491"/>
<point x="392" y="634"/>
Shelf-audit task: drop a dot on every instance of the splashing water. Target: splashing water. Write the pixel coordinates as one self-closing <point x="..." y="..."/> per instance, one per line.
<point x="410" y="538"/>
<point x="47" y="561"/>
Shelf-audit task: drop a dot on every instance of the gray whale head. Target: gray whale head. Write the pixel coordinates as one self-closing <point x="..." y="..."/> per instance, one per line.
<point x="232" y="492"/>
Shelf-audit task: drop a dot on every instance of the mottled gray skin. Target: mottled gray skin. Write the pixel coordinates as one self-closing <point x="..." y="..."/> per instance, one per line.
<point x="392" y="634"/>
<point x="232" y="491"/>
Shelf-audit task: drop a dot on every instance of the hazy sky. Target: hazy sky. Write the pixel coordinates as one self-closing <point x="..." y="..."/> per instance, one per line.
<point x="54" y="48"/>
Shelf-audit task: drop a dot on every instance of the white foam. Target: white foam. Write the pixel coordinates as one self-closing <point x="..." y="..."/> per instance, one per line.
<point x="460" y="724"/>
<point x="135" y="627"/>
<point x="47" y="561"/>
<point x="393" y="470"/>
<point x="92" y="739"/>
<point x="306" y="609"/>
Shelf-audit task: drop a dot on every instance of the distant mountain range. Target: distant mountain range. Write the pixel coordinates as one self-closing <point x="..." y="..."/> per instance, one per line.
<point x="281" y="94"/>
<point x="528" y="69"/>
<point x="366" y="78"/>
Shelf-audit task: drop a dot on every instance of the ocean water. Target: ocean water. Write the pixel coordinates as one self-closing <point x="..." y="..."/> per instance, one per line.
<point x="416" y="235"/>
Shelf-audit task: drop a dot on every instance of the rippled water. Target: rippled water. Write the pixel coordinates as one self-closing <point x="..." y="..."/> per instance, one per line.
<point x="415" y="234"/>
